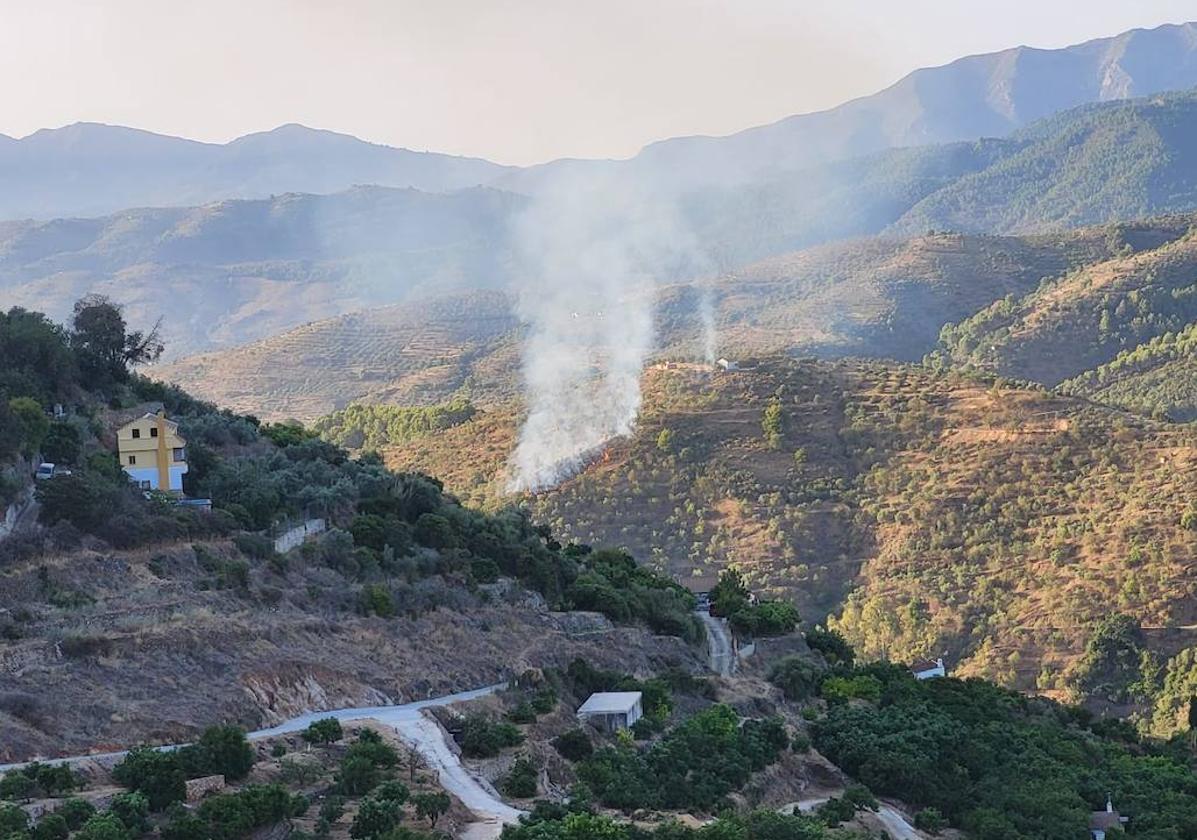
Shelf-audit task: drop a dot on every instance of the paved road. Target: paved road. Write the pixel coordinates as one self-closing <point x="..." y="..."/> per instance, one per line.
<point x="722" y="658"/>
<point x="415" y="728"/>
<point x="895" y="824"/>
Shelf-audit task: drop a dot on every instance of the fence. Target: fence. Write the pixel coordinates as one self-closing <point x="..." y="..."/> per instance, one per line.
<point x="289" y="539"/>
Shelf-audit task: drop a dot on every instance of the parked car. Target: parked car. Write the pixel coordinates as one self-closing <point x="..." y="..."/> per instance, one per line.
<point x="45" y="471"/>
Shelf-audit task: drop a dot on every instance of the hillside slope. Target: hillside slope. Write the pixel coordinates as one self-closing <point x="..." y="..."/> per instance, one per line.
<point x="235" y="271"/>
<point x="869" y="297"/>
<point x="1159" y="377"/>
<point x="1095" y="164"/>
<point x="1086" y="318"/>
<point x="413" y="354"/>
<point x="922" y="512"/>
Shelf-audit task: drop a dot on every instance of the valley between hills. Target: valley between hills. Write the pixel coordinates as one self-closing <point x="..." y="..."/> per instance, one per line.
<point x="863" y="445"/>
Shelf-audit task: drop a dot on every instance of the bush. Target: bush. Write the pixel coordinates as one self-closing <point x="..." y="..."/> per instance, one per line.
<point x="796" y="677"/>
<point x="375" y="817"/>
<point x="832" y="644"/>
<point x="159" y="775"/>
<point x="857" y="687"/>
<point x="930" y="820"/>
<point x="52" y="826"/>
<point x="391" y="791"/>
<point x="520" y="783"/>
<point x="324" y="731"/>
<point x="133" y="810"/>
<point x="522" y="713"/>
<point x="103" y="827"/>
<point x="76" y="812"/>
<point x="376" y="600"/>
<point x="257" y="546"/>
<point x="13" y="820"/>
<point x="220" y="750"/>
<point x="574" y="745"/>
<point x="481" y="737"/>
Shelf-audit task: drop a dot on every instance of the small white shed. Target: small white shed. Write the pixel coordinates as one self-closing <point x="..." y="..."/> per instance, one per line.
<point x="926" y="669"/>
<point x="611" y="711"/>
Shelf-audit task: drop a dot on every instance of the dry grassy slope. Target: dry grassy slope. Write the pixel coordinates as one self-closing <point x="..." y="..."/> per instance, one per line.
<point x="410" y="354"/>
<point x="882" y="297"/>
<point x="165" y="654"/>
<point x="997" y="525"/>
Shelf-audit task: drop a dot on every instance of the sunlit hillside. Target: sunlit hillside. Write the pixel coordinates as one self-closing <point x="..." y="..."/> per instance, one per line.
<point x="921" y="512"/>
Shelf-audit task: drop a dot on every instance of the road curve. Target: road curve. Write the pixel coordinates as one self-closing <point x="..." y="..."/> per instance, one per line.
<point x="416" y="729"/>
<point x="895" y="824"/>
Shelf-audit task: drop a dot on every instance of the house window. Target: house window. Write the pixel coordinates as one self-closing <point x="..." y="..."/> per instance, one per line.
<point x="137" y="433"/>
<point x="153" y="431"/>
<point x="145" y="485"/>
<point x="132" y="459"/>
<point x="180" y="454"/>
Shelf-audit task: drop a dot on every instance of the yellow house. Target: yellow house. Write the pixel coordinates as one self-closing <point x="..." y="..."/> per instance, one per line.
<point x="152" y="453"/>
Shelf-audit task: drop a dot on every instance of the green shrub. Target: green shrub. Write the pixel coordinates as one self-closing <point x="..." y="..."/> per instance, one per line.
<point x="574" y="745"/>
<point x="76" y="812"/>
<point x="857" y="687"/>
<point x="798" y="678"/>
<point x="520" y="782"/>
<point x="324" y="731"/>
<point x="157" y="774"/>
<point x="375" y="817"/>
<point x="930" y="820"/>
<point x="221" y="750"/>
<point x="481" y="737"/>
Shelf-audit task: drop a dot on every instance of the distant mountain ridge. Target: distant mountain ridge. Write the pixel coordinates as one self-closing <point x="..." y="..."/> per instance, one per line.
<point x="988" y="95"/>
<point x="90" y="169"/>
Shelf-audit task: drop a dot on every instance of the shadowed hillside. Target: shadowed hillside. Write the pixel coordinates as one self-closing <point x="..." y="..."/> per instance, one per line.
<point x="413" y="354"/>
<point x="923" y="512"/>
<point x="881" y="297"/>
<point x="226" y="273"/>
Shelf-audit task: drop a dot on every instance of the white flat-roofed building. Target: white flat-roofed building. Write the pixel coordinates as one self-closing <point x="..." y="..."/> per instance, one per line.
<point x="612" y="710"/>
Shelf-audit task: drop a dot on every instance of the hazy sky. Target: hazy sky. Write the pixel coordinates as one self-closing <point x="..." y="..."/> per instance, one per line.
<point x="517" y="81"/>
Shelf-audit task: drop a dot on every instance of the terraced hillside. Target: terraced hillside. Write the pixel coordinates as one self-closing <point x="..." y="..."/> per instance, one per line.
<point x="923" y="512"/>
<point x="881" y="297"/>
<point x="1097" y="315"/>
<point x="414" y="354"/>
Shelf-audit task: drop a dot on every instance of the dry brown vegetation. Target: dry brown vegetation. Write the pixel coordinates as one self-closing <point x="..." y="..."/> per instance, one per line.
<point x="150" y="648"/>
<point x="927" y="512"/>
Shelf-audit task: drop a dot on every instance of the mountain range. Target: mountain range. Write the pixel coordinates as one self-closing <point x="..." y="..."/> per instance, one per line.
<point x="238" y="271"/>
<point x="90" y="169"/>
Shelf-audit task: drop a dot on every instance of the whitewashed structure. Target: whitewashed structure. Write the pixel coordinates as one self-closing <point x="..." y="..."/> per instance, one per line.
<point x="611" y="711"/>
<point x="925" y="669"/>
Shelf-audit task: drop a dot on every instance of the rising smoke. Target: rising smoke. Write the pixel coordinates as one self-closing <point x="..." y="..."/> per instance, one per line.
<point x="706" y="317"/>
<point x="589" y="253"/>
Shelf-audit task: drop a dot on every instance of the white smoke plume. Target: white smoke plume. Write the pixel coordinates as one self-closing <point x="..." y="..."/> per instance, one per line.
<point x="589" y="251"/>
<point x="706" y="315"/>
